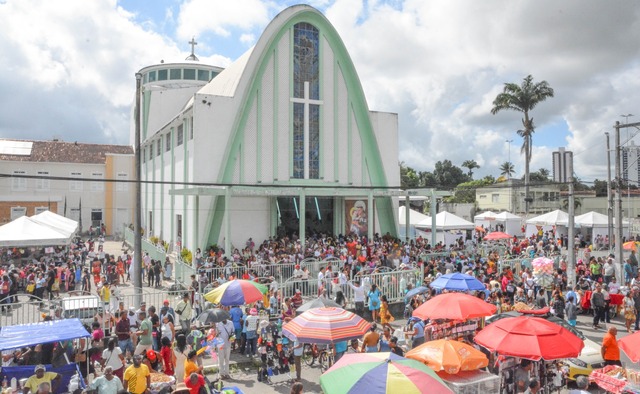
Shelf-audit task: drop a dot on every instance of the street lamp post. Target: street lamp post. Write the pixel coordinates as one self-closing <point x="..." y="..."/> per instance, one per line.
<point x="137" y="224"/>
<point x="509" y="170"/>
<point x="628" y="178"/>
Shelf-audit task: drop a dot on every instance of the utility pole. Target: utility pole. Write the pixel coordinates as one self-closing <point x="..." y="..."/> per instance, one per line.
<point x="609" y="195"/>
<point x="509" y="173"/>
<point x="137" y="225"/>
<point x="618" y="207"/>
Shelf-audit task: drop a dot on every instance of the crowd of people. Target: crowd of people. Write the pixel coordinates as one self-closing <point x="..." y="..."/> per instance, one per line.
<point x="127" y="343"/>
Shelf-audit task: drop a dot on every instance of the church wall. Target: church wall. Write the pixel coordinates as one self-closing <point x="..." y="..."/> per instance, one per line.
<point x="385" y="126"/>
<point x="265" y="136"/>
<point x="249" y="147"/>
<point x="342" y="119"/>
<point x="328" y="132"/>
<point x="165" y="104"/>
<point x="248" y="210"/>
<point x="355" y="175"/>
<point x="212" y="127"/>
<point x="283" y="118"/>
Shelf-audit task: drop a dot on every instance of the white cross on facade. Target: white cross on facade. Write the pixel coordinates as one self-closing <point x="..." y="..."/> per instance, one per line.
<point x="306" y="101"/>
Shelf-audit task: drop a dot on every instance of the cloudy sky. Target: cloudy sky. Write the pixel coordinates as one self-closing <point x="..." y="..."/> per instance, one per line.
<point x="67" y="67"/>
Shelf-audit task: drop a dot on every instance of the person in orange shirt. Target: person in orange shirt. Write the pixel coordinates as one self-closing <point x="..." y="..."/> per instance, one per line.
<point x="610" y="351"/>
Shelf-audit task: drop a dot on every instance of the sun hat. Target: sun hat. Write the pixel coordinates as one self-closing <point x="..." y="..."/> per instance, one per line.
<point x="253" y="312"/>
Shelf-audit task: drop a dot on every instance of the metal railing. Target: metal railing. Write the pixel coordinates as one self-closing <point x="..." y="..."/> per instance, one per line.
<point x="156" y="252"/>
<point x="390" y="283"/>
<point x="26" y="309"/>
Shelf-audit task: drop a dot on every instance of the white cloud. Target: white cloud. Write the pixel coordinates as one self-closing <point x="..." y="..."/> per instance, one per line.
<point x="220" y="16"/>
<point x="68" y="67"/>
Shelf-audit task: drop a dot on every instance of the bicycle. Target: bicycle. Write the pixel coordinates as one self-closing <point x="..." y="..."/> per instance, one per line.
<point x="310" y="353"/>
<point x="326" y="359"/>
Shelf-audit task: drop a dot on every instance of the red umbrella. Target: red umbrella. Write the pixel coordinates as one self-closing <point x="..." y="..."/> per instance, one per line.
<point x="630" y="345"/>
<point x="497" y="235"/>
<point x="325" y="325"/>
<point x="528" y="337"/>
<point x="454" y="306"/>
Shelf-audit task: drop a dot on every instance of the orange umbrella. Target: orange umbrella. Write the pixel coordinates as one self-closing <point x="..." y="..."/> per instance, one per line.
<point x="449" y="356"/>
<point x="630" y="245"/>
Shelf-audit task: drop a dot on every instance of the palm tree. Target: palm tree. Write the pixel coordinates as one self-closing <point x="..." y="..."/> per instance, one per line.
<point x="507" y="169"/>
<point x="523" y="98"/>
<point x="544" y="173"/>
<point x="470" y="165"/>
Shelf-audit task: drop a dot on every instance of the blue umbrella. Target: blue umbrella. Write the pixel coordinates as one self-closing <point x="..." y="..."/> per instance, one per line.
<point x="457" y="282"/>
<point x="415" y="291"/>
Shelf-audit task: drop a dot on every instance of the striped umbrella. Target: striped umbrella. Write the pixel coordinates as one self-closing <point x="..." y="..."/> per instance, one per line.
<point x="381" y="373"/>
<point x="236" y="292"/>
<point x="325" y="325"/>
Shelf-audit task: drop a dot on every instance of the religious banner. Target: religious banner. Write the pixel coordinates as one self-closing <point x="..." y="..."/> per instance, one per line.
<point x="356" y="217"/>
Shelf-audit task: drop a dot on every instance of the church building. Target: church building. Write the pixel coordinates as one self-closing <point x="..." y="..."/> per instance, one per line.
<point x="281" y="142"/>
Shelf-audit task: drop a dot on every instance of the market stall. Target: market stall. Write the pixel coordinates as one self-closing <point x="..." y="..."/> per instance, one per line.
<point x="23" y="335"/>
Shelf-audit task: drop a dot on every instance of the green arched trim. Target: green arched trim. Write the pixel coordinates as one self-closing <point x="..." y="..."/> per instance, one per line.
<point x="356" y="99"/>
<point x="146" y="103"/>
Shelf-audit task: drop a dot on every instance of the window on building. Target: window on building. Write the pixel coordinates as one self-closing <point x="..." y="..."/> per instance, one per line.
<point x="175" y="73"/>
<point x="162" y="75"/>
<point x="306" y="102"/>
<point x="151" y="151"/>
<point x="18" y="184"/>
<point x="74" y="213"/>
<point x="167" y="142"/>
<point x="75" y="185"/>
<point x="189" y="73"/>
<point x="122" y="184"/>
<point x="17" y="212"/>
<point x="143" y="155"/>
<point x="41" y="209"/>
<point x="180" y="136"/>
<point x="159" y="150"/>
<point x="98" y="184"/>
<point x="495" y="198"/>
<point x="191" y="128"/>
<point x="152" y="76"/>
<point x="203" y="75"/>
<point x="43" y="181"/>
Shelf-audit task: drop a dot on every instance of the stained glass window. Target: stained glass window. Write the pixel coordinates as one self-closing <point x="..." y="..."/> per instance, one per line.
<point x="306" y="102"/>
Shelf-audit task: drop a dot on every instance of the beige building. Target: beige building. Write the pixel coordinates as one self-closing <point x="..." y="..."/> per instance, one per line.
<point x="509" y="196"/>
<point x="67" y="178"/>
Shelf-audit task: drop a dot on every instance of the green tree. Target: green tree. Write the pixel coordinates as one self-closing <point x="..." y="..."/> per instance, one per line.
<point x="470" y="165"/>
<point x="544" y="173"/>
<point x="448" y="176"/>
<point x="600" y="187"/>
<point x="408" y="177"/>
<point x="507" y="169"/>
<point x="466" y="191"/>
<point x="523" y="98"/>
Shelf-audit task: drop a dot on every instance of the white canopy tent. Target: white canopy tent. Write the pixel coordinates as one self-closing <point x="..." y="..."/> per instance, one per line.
<point x="57" y="222"/>
<point x="414" y="218"/>
<point x="512" y="223"/>
<point x="547" y="222"/>
<point x="449" y="227"/>
<point x="485" y="219"/>
<point x="25" y="231"/>
<point x="598" y="223"/>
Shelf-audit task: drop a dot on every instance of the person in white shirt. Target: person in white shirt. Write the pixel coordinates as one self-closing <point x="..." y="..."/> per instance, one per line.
<point x="320" y="280"/>
<point x="358" y="296"/>
<point x="614" y="287"/>
<point x="226" y="332"/>
<point x="107" y="383"/>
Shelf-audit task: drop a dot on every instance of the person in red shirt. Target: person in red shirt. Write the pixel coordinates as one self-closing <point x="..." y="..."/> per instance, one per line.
<point x="195" y="383"/>
<point x="168" y="357"/>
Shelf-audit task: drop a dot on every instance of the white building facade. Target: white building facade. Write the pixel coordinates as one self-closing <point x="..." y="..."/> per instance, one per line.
<point x="89" y="183"/>
<point x="280" y="143"/>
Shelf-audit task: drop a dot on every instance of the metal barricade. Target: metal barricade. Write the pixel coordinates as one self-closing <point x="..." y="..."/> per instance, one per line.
<point x="155" y="252"/>
<point x="26" y="309"/>
<point x="183" y="271"/>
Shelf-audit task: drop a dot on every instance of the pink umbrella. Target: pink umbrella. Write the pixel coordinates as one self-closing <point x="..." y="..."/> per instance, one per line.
<point x="497" y="235"/>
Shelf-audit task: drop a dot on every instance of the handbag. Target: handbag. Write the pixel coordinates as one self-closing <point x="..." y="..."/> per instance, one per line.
<point x="31" y="287"/>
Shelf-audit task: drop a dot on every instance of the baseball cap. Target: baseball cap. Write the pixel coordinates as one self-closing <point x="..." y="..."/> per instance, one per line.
<point x="39" y="367"/>
<point x="165" y="301"/>
<point x="151" y="355"/>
